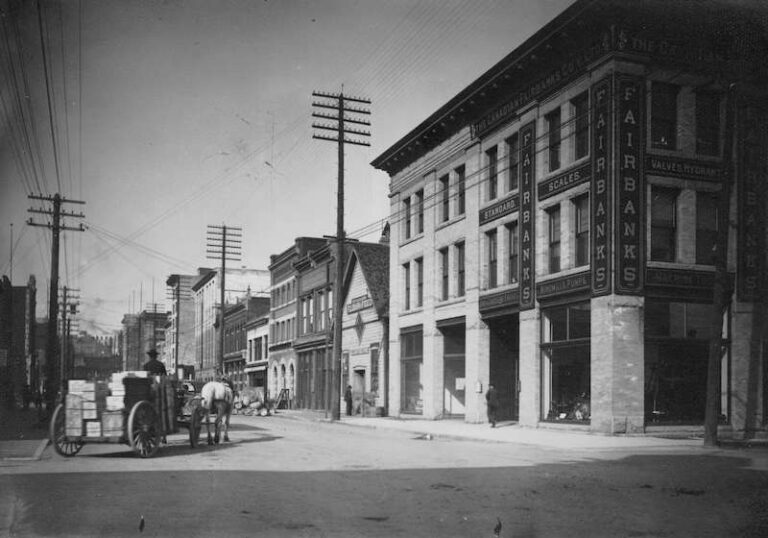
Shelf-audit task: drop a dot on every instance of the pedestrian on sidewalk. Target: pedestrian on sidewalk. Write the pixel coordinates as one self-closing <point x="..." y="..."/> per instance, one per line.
<point x="492" y="401"/>
<point x="348" y="399"/>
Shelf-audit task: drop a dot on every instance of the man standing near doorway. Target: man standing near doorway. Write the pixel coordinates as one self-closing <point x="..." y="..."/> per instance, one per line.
<point x="492" y="401"/>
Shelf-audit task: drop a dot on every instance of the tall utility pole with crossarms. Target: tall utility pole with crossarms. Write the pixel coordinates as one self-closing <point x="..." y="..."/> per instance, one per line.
<point x="53" y="296"/>
<point x="344" y="113"/>
<point x="224" y="243"/>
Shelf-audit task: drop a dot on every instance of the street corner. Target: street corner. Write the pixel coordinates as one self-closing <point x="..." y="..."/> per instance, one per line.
<point x="22" y="449"/>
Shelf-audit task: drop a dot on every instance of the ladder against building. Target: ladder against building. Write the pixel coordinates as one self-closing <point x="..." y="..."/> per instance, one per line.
<point x="283" y="399"/>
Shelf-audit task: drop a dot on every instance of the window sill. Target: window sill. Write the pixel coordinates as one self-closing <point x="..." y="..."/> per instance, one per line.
<point x="680" y="266"/>
<point x="564" y="272"/>
<point x="412" y="239"/>
<point x="449" y="222"/>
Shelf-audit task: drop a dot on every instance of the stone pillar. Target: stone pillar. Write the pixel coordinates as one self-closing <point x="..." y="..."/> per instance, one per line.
<point x="746" y="370"/>
<point x="530" y="368"/>
<point x="617" y="370"/>
<point x="477" y="366"/>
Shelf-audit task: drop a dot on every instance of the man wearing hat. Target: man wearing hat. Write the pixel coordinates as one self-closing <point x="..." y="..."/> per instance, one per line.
<point x="154" y="366"/>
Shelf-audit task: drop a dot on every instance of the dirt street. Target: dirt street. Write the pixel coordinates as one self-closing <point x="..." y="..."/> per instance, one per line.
<point x="287" y="477"/>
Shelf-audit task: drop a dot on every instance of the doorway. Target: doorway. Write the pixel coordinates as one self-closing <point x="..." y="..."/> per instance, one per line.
<point x="505" y="364"/>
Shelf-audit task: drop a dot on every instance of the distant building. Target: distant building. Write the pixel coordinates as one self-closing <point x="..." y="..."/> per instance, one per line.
<point x="257" y="354"/>
<point x="236" y="320"/>
<point x="180" y="330"/>
<point x="553" y="226"/>
<point x="141" y="333"/>
<point x="93" y="357"/>
<point x="206" y="295"/>
<point x="18" y="361"/>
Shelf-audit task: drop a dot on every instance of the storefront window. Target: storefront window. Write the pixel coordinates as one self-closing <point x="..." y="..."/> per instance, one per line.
<point x="566" y="363"/>
<point x="676" y="358"/>
<point x="411" y="355"/>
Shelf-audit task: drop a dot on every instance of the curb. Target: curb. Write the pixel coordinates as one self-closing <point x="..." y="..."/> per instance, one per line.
<point x="34" y="457"/>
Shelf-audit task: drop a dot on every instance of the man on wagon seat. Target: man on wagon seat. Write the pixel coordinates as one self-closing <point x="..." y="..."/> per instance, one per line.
<point x="154" y="366"/>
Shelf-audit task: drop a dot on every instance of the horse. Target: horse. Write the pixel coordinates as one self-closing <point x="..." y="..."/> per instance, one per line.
<point x="218" y="396"/>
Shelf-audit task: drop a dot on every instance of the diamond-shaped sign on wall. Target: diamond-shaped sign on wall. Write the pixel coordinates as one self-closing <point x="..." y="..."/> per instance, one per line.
<point x="359" y="327"/>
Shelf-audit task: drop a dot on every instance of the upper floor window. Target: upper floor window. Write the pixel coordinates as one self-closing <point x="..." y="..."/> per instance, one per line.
<point x="554" y="138"/>
<point x="513" y="157"/>
<point x="708" y="123"/>
<point x="706" y="227"/>
<point x="444" y="199"/>
<point x="444" y="274"/>
<point x="407" y="217"/>
<point x="553" y="215"/>
<point x="580" y="105"/>
<point x="581" y="207"/>
<point x="419" y="282"/>
<point x="420" y="212"/>
<point x="663" y="224"/>
<point x="492" y="164"/>
<point x="460" y="270"/>
<point x="664" y="115"/>
<point x="461" y="187"/>
<point x="321" y="311"/>
<point x="407" y="287"/>
<point x="492" y="257"/>
<point x="513" y="247"/>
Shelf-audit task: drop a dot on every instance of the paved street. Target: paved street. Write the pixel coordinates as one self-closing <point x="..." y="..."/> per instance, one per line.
<point x="293" y="475"/>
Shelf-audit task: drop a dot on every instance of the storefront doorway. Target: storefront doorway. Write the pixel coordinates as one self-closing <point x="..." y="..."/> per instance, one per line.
<point x="454" y="376"/>
<point x="504" y="364"/>
<point x="412" y="360"/>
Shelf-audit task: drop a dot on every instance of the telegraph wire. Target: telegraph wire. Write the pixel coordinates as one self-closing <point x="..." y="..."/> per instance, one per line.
<point x="50" y="96"/>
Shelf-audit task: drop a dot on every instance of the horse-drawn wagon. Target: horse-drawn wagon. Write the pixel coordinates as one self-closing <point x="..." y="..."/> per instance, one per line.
<point x="133" y="408"/>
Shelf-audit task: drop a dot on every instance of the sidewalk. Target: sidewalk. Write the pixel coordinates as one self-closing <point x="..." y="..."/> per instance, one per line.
<point x="504" y="432"/>
<point x="22" y="435"/>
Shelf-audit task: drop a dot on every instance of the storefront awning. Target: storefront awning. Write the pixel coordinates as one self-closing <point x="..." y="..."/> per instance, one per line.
<point x="259" y="368"/>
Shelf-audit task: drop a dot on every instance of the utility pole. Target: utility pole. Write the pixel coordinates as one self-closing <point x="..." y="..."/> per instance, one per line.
<point x="56" y="227"/>
<point x="224" y="243"/>
<point x="68" y="306"/>
<point x="343" y="114"/>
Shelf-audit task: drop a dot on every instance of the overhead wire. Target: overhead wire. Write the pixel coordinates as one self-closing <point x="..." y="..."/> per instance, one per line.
<point x="51" y="116"/>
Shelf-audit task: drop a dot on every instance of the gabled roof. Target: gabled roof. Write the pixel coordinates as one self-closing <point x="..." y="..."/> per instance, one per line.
<point x="373" y="259"/>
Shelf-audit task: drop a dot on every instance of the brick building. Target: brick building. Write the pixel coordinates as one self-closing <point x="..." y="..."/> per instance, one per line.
<point x="553" y="226"/>
<point x="284" y="314"/>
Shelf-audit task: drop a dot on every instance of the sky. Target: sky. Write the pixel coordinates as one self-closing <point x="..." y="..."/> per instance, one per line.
<point x="169" y="116"/>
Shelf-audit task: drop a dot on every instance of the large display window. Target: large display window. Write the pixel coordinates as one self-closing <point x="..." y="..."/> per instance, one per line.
<point x="676" y="357"/>
<point x="412" y="360"/>
<point x="565" y="356"/>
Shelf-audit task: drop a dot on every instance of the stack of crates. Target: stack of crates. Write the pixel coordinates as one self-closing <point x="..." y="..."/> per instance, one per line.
<point x="85" y="402"/>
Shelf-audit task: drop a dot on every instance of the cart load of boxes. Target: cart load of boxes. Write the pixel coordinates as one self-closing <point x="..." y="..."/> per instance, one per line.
<point x="100" y="408"/>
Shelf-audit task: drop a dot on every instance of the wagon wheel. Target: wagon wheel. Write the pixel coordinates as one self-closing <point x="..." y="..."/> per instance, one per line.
<point x="144" y="429"/>
<point x="195" y="425"/>
<point x="58" y="435"/>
